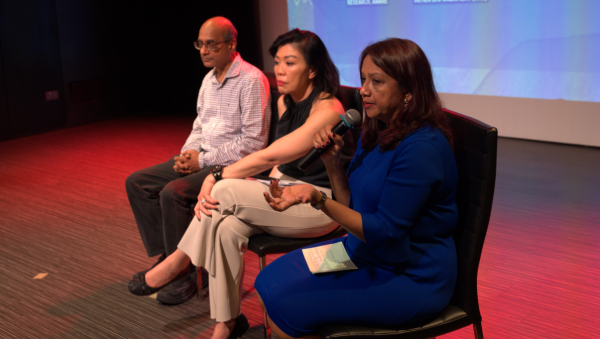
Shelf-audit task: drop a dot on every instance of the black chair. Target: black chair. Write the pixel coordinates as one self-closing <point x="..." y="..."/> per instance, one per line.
<point x="265" y="244"/>
<point x="274" y="111"/>
<point x="475" y="152"/>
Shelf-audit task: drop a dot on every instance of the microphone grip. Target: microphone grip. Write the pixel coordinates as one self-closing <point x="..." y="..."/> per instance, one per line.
<point x="315" y="153"/>
<point x="309" y="159"/>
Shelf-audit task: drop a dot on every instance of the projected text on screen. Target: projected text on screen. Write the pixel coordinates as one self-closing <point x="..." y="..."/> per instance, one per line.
<point x="444" y="1"/>
<point x="532" y="49"/>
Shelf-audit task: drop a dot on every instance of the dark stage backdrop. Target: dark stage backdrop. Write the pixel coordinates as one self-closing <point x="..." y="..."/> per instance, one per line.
<point x="101" y="59"/>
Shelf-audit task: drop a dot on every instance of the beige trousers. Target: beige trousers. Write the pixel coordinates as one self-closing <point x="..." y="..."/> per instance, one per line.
<point x="217" y="242"/>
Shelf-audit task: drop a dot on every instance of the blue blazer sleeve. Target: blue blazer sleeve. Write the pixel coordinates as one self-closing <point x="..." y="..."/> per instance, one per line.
<point x="414" y="173"/>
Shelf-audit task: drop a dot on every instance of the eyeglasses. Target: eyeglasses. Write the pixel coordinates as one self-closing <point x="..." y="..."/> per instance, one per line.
<point x="211" y="46"/>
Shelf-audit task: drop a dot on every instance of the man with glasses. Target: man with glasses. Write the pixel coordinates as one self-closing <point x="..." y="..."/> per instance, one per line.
<point x="233" y="121"/>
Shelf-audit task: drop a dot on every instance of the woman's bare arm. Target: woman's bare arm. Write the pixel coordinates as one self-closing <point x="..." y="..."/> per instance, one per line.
<point x="339" y="182"/>
<point x="345" y="216"/>
<point x="332" y="160"/>
<point x="291" y="146"/>
<point x="285" y="149"/>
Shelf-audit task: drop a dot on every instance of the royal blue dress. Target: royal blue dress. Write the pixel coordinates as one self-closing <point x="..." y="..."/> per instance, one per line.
<point x="407" y="266"/>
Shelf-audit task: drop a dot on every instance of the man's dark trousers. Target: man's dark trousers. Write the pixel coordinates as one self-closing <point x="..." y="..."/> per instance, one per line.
<point x="160" y="199"/>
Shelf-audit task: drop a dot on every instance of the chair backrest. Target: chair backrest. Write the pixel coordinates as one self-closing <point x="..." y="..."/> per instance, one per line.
<point x="274" y="111"/>
<point x="351" y="99"/>
<point x="475" y="147"/>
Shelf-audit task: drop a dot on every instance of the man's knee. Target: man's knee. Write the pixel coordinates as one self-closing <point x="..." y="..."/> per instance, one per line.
<point x="177" y="190"/>
<point x="132" y="181"/>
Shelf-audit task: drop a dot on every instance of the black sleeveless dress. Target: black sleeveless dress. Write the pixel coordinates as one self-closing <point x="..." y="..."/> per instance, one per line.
<point x="294" y="116"/>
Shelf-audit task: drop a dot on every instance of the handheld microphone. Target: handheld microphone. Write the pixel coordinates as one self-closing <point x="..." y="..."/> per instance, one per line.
<point x="349" y="120"/>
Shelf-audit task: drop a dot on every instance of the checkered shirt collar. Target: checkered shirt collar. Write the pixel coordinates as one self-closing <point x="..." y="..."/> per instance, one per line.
<point x="232" y="72"/>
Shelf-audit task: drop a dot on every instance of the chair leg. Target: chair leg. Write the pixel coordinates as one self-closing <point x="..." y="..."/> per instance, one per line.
<point x="200" y="290"/>
<point x="478" y="330"/>
<point x="267" y="329"/>
<point x="262" y="262"/>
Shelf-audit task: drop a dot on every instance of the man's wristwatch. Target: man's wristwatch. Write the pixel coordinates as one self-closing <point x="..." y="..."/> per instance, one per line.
<point x="217" y="172"/>
<point x="321" y="202"/>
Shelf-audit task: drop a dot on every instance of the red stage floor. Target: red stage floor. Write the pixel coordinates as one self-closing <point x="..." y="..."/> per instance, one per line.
<point x="63" y="211"/>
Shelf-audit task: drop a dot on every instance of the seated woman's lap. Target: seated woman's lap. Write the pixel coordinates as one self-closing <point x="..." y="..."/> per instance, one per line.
<point x="300" y="302"/>
<point x="244" y="199"/>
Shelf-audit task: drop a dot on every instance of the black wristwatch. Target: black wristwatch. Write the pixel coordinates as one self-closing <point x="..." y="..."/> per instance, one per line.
<point x="321" y="202"/>
<point x="217" y="172"/>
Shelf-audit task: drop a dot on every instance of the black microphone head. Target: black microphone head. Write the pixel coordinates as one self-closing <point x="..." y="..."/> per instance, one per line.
<point x="353" y="117"/>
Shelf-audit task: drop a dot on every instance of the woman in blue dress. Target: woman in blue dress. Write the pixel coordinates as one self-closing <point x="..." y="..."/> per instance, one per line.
<point x="397" y="202"/>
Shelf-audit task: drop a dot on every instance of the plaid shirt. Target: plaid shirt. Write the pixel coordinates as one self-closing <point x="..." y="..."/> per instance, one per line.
<point x="233" y="116"/>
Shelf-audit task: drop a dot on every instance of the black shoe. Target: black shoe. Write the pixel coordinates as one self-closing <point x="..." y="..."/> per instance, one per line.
<point x="139" y="287"/>
<point x="160" y="259"/>
<point x="241" y="326"/>
<point x="182" y="290"/>
<point x="179" y="291"/>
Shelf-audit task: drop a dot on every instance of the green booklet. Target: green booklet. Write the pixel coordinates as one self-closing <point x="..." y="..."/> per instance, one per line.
<point x="328" y="258"/>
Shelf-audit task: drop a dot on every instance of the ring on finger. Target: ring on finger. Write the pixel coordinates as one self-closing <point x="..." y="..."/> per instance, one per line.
<point x="203" y="201"/>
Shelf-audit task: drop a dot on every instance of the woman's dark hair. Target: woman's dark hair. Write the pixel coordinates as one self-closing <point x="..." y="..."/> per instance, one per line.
<point x="315" y="53"/>
<point x="404" y="61"/>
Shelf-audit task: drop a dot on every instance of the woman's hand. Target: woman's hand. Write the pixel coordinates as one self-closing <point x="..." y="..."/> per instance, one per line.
<point x="321" y="139"/>
<point x="284" y="198"/>
<point x="205" y="202"/>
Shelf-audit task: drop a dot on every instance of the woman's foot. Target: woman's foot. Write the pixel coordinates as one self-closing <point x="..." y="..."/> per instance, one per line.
<point x="139" y="286"/>
<point x="160" y="259"/>
<point x="165" y="271"/>
<point x="174" y="267"/>
<point x="232" y="329"/>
